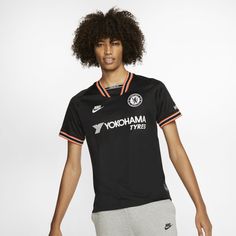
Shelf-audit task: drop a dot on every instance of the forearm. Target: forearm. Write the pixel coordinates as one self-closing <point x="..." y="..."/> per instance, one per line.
<point x="69" y="181"/>
<point x="185" y="171"/>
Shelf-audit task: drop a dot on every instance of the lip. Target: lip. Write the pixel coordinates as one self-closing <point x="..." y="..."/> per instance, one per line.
<point x="109" y="58"/>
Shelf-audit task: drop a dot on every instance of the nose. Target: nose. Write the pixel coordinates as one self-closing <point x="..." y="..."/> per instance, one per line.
<point x="107" y="49"/>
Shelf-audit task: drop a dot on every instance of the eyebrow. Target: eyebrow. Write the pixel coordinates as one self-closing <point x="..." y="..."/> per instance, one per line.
<point x="102" y="40"/>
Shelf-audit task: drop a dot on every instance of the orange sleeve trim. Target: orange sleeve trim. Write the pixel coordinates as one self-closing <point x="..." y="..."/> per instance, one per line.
<point x="169" y="116"/>
<point x="62" y="132"/>
<point x="170" y="120"/>
<point x="70" y="140"/>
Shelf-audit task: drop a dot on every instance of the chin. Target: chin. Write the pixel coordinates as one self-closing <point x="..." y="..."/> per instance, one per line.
<point x="109" y="67"/>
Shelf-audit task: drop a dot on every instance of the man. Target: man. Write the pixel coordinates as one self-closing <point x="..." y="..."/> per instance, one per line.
<point x="118" y="115"/>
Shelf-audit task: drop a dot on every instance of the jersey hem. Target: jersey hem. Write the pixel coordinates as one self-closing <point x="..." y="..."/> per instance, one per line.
<point x="130" y="204"/>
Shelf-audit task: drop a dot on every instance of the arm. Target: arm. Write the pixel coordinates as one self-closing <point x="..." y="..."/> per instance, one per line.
<point x="69" y="181"/>
<point x="185" y="171"/>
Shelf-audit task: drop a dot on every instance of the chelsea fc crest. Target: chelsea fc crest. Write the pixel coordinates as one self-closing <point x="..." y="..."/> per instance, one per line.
<point x="134" y="99"/>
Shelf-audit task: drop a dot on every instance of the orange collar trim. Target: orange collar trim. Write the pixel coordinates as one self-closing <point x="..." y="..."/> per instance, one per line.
<point x="124" y="88"/>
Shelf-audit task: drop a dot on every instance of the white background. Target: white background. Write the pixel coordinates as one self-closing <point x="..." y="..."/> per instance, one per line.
<point x="191" y="47"/>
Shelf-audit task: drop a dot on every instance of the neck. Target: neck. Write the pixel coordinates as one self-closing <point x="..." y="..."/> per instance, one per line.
<point x="110" y="78"/>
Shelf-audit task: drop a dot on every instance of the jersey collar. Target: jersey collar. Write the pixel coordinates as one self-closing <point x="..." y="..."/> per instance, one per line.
<point x="124" y="88"/>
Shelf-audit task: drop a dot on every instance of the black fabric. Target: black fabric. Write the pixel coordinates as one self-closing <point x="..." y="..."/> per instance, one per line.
<point x="122" y="140"/>
<point x="72" y="128"/>
<point x="167" y="110"/>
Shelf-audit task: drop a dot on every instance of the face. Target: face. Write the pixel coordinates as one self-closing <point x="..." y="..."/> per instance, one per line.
<point x="109" y="53"/>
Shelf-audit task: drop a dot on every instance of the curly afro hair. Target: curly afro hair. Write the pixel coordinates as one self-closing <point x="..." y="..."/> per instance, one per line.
<point x="115" y="24"/>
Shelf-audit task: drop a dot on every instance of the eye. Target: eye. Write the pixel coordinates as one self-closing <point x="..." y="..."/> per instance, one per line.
<point x="116" y="43"/>
<point x="98" y="44"/>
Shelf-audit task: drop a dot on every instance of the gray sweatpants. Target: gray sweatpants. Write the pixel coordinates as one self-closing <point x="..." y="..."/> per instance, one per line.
<point x="152" y="219"/>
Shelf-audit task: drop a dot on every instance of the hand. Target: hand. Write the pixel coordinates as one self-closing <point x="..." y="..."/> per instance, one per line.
<point x="202" y="221"/>
<point x="55" y="232"/>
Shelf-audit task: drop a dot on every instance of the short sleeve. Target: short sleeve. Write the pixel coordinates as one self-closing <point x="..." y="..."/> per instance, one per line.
<point x="72" y="128"/>
<point x="167" y="110"/>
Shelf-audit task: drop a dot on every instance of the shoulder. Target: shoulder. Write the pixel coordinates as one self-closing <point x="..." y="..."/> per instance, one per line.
<point x="82" y="93"/>
<point x="148" y="80"/>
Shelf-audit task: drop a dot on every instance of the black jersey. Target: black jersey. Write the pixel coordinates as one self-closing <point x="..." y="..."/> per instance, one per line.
<point x="120" y="127"/>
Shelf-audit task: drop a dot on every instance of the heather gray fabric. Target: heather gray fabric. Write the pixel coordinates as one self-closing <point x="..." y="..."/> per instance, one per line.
<point x="156" y="218"/>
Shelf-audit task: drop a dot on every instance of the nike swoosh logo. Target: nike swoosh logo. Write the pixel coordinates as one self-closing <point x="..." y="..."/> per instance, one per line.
<point x="96" y="109"/>
<point x="168" y="226"/>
